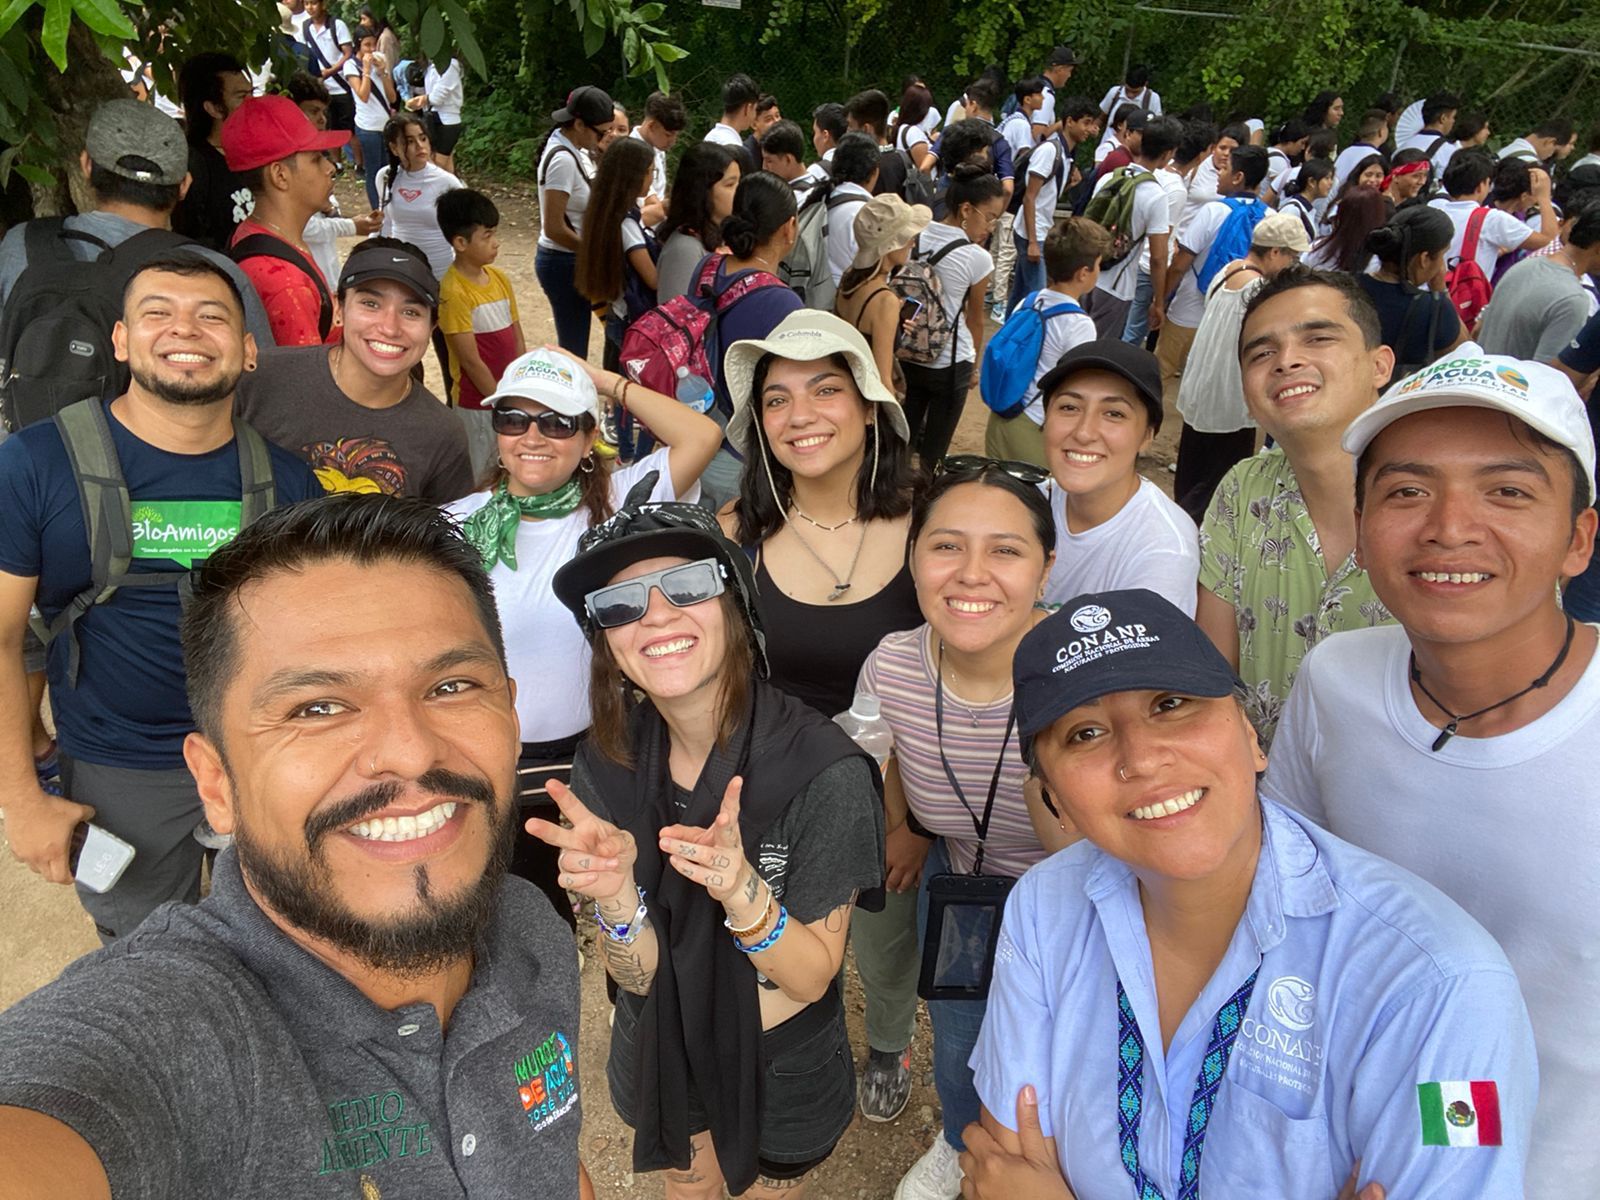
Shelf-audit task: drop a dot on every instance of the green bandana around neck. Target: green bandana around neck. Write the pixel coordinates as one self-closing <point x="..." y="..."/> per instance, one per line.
<point x="492" y="530"/>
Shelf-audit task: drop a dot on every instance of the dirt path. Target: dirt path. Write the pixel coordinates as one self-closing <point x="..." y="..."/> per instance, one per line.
<point x="44" y="929"/>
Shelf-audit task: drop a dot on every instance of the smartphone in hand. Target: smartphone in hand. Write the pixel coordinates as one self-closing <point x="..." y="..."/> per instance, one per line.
<point x="98" y="858"/>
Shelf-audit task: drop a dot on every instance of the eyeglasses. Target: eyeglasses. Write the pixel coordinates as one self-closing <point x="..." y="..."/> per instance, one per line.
<point x="977" y="464"/>
<point x="514" y="422"/>
<point x="683" y="585"/>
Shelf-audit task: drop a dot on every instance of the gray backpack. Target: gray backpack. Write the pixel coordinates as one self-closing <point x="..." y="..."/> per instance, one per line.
<point x="806" y="268"/>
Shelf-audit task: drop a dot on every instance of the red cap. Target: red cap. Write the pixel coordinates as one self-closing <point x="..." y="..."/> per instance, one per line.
<point x="266" y="128"/>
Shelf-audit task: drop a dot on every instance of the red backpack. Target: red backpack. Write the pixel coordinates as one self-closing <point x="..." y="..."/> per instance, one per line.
<point x="1468" y="286"/>
<point x="683" y="333"/>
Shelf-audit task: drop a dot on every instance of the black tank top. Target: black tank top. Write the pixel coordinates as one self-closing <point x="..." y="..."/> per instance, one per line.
<point x="816" y="650"/>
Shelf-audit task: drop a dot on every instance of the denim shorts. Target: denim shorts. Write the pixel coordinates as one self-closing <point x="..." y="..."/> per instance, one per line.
<point x="808" y="1091"/>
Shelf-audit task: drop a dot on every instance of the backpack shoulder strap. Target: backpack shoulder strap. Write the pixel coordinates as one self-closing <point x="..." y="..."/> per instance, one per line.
<point x="933" y="259"/>
<point x="1469" y="239"/>
<point x="257" y="492"/>
<point x="1058" y="310"/>
<point x="264" y="245"/>
<point x="44" y="239"/>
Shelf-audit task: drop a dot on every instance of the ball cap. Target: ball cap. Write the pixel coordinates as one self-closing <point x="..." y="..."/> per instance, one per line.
<point x="1133" y="363"/>
<point x="1104" y="642"/>
<point x="552" y="379"/>
<point x="589" y="104"/>
<point x="1541" y="397"/>
<point x="265" y="129"/>
<point x="138" y="142"/>
<point x="386" y="258"/>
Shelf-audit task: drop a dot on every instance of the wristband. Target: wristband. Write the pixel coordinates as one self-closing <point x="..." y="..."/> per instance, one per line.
<point x="760" y="926"/>
<point x="768" y="942"/>
<point x="626" y="933"/>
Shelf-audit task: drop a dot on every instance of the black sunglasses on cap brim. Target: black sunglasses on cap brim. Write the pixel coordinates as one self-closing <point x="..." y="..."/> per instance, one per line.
<point x="623" y="603"/>
<point x="514" y="422"/>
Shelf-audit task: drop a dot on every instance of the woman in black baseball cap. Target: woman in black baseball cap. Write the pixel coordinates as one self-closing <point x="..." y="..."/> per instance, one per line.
<point x="1209" y="995"/>
<point x="724" y="833"/>
<point x="566" y="172"/>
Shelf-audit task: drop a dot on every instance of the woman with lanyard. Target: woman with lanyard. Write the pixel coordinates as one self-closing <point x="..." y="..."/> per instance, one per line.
<point x="724" y="832"/>
<point x="566" y="171"/>
<point x="982" y="542"/>
<point x="1209" y="995"/>
<point x="823" y="510"/>
<point x="547" y="489"/>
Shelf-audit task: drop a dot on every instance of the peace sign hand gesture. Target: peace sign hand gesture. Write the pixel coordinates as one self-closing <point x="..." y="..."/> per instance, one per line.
<point x="596" y="857"/>
<point x="714" y="857"/>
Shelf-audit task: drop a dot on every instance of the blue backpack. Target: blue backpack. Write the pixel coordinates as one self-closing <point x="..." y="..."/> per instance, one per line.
<point x="1012" y="356"/>
<point x="1233" y="238"/>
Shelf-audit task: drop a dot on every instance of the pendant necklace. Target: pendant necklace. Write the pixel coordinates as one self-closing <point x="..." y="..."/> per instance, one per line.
<point x="1449" y="730"/>
<point x="840" y="586"/>
<point x="972" y="713"/>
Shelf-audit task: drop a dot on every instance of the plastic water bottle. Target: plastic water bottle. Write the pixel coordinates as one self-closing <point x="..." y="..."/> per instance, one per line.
<point x="694" y="391"/>
<point x="864" y="722"/>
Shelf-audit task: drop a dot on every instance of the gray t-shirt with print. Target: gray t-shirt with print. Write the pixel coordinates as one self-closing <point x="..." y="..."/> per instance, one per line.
<point x="208" y="1055"/>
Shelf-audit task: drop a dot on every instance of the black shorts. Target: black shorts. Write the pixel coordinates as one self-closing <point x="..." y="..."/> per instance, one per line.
<point x="442" y="137"/>
<point x="808" y="1095"/>
<point x="341" y="111"/>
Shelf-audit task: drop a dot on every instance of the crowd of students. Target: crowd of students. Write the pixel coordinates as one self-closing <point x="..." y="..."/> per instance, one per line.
<point x="1274" y="784"/>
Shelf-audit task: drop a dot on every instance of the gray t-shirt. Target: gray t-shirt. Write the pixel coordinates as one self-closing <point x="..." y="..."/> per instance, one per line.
<point x="1538" y="307"/>
<point x="680" y="254"/>
<point x="208" y="1055"/>
<point x="113" y="231"/>
<point x="415" y="448"/>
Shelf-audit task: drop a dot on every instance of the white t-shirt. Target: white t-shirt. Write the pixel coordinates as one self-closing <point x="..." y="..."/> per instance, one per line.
<point x="1042" y="162"/>
<point x="1520" y="148"/>
<point x="1210" y="390"/>
<point x="842" y="228"/>
<point x="322" y="235"/>
<point x="958" y="271"/>
<point x="1203" y="186"/>
<point x="564" y="167"/>
<point x="331" y="39"/>
<point x="820" y="169"/>
<point x="372" y="114"/>
<point x="1018" y="132"/>
<point x="545" y="649"/>
<point x="658" y="172"/>
<point x="1278" y="165"/>
<point x="1505" y="826"/>
<point x="1408" y="122"/>
<point x="1061" y="333"/>
<point x="1421" y="140"/>
<point x="1114" y="99"/>
<point x="411" y="212"/>
<point x="446" y="94"/>
<point x="909" y="136"/>
<point x="1150" y="543"/>
<point x="1151" y="214"/>
<point x="1176" y="189"/>
<point x="1501" y="232"/>
<point x="930" y="119"/>
<point x="725" y="135"/>
<point x="1045" y="114"/>
<point x="1188" y="305"/>
<point x="956" y="112"/>
<point x="632" y="239"/>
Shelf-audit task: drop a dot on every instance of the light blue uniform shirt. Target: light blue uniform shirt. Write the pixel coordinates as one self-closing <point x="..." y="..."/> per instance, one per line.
<point x="1371" y="982"/>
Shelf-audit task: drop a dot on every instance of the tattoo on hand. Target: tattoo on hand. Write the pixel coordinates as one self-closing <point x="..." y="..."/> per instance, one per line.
<point x="720" y="862"/>
<point x="835" y="920"/>
<point x="750" y="887"/>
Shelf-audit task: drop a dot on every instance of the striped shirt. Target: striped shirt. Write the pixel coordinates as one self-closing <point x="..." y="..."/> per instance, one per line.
<point x="901" y="673"/>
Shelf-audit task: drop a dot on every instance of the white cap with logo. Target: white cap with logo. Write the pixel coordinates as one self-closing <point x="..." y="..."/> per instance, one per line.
<point x="552" y="379"/>
<point x="1541" y="397"/>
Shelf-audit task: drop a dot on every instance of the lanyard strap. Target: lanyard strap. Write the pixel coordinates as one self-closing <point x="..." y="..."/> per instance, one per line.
<point x="980" y="826"/>
<point x="1130" y="1090"/>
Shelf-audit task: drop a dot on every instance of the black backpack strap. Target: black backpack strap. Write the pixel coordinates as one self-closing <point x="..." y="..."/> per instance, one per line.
<point x="933" y="259"/>
<point x="45" y="239"/>
<point x="264" y="245"/>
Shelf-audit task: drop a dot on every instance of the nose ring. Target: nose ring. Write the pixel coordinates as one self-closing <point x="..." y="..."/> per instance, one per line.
<point x="1122" y="774"/>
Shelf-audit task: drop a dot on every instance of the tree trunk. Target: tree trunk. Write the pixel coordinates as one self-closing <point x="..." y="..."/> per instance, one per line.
<point x="88" y="82"/>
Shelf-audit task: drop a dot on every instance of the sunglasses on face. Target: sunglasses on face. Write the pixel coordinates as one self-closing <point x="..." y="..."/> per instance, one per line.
<point x="977" y="464"/>
<point x="514" y="422"/>
<point x="626" y="602"/>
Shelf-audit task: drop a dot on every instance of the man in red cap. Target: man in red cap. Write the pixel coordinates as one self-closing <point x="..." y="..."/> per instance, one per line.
<point x="279" y="153"/>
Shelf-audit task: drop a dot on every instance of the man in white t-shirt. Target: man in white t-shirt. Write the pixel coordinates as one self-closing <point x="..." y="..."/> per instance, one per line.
<point x="828" y="125"/>
<point x="1467" y="181"/>
<point x="739" y="97"/>
<point x="1369" y="141"/>
<point x="855" y="171"/>
<point x="1548" y="141"/>
<point x="1438" y="118"/>
<point x="1041" y="185"/>
<point x="664" y="119"/>
<point x="783" y="149"/>
<point x="1151" y="225"/>
<point x="1058" y="69"/>
<point x="1460" y="744"/>
<point x="328" y="39"/>
<point x="1134" y="89"/>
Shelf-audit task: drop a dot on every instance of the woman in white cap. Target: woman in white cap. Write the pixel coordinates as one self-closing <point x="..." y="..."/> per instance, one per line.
<point x="886" y="227"/>
<point x="823" y="509"/>
<point x="548" y="487"/>
<point x="1209" y="995"/>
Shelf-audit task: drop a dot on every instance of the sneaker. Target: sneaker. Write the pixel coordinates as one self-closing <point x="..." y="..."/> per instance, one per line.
<point x="997" y="314"/>
<point x="934" y="1176"/>
<point x="886" y="1084"/>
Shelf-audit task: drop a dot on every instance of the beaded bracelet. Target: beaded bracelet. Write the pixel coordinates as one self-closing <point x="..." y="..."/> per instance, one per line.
<point x="626" y="933"/>
<point x="768" y="942"/>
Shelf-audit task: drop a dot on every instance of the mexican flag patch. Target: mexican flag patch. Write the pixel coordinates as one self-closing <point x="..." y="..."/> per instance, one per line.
<point x="1460" y="1113"/>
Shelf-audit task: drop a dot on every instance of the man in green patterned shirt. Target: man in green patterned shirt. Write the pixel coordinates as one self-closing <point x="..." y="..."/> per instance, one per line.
<point x="1277" y="549"/>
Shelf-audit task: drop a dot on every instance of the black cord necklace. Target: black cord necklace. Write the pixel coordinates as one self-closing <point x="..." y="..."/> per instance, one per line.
<point x="1449" y="731"/>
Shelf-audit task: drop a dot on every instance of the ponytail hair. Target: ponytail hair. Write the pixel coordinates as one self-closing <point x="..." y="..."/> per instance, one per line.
<point x="1413" y="230"/>
<point x="1313" y="170"/>
<point x="761" y="207"/>
<point x="394" y="130"/>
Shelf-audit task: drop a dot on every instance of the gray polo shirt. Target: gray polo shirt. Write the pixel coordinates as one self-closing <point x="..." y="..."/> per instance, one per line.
<point x="208" y="1055"/>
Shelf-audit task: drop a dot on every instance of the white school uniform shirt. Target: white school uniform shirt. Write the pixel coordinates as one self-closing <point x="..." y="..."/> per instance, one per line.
<point x="331" y="40"/>
<point x="1115" y="98"/>
<point x="842" y="229"/>
<point x="1151" y="214"/>
<point x="956" y="112"/>
<point x="1588" y="160"/>
<point x="1369" y="983"/>
<point x="929" y="122"/>
<point x="1408" y="122"/>
<point x="446" y="94"/>
<point x="1061" y="333"/>
<point x="1149" y="543"/>
<point x="725" y="135"/>
<point x="819" y="170"/>
<point x="1018" y="133"/>
<point x="546" y="652"/>
<point x="1520" y="148"/>
<point x="1176" y="189"/>
<point x="572" y="173"/>
<point x="658" y="170"/>
<point x="1041" y="162"/>
<point x="1506" y="826"/>
<point x="1423" y="139"/>
<point x="372" y="114"/>
<point x="1188" y="305"/>
<point x="412" y="211"/>
<point x="958" y="271"/>
<point x="1501" y="232"/>
<point x="1203" y="185"/>
<point x="1045" y="114"/>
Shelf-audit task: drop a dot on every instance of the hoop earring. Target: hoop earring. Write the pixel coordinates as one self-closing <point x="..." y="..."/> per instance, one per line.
<point x="586" y="464"/>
